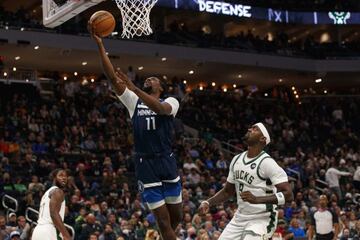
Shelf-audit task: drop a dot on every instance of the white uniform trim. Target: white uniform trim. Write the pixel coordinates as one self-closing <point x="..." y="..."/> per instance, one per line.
<point x="172" y="181"/>
<point x="155" y="205"/>
<point x="174" y="200"/>
<point x="129" y="99"/>
<point x="174" y="103"/>
<point x="155" y="184"/>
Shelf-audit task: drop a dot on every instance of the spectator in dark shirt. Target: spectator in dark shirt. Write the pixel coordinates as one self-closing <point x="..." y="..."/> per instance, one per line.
<point x="90" y="227"/>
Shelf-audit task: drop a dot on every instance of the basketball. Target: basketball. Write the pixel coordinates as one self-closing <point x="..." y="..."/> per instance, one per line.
<point x="103" y="23"/>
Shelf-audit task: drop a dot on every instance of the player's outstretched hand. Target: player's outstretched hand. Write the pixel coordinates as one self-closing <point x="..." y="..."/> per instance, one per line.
<point x="92" y="33"/>
<point x="203" y="208"/>
<point x="248" y="197"/>
<point x="122" y="78"/>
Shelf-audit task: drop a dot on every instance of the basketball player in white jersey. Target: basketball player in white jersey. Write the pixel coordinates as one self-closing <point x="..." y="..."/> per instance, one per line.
<point x="52" y="210"/>
<point x="259" y="183"/>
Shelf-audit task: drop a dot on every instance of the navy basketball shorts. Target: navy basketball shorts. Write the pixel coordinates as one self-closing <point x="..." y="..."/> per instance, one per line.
<point x="158" y="179"/>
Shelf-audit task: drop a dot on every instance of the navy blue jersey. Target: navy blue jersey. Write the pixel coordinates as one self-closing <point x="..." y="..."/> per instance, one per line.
<point x="152" y="132"/>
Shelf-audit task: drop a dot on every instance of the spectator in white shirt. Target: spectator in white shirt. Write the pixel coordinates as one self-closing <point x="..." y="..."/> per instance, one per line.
<point x="332" y="178"/>
<point x="356" y="178"/>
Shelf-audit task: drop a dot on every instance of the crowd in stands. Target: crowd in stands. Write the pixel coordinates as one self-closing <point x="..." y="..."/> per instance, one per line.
<point x="84" y="130"/>
<point x="177" y="33"/>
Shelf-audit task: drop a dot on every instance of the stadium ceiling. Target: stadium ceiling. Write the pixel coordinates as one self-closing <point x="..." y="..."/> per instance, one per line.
<point x="67" y="62"/>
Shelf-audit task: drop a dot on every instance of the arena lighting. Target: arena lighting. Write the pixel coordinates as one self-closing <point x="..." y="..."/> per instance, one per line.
<point x="280" y="80"/>
<point x="107" y="53"/>
<point x="5" y="74"/>
<point x="297" y="96"/>
<point x="234" y="85"/>
<point x="295" y="92"/>
<point x="293" y="88"/>
<point x="239" y="76"/>
<point x="14" y="69"/>
<point x="163" y="59"/>
<point x="75" y="73"/>
<point x="22" y="29"/>
<point x="213" y="84"/>
<point x="65" y="78"/>
<point x="191" y="72"/>
<point x="27" y="80"/>
<point x="319" y="80"/>
<point x="6" y="27"/>
<point x="17" y="58"/>
<point x="325" y="91"/>
<point x="140" y="68"/>
<point x="36" y="47"/>
<point x="92" y="80"/>
<point x="201" y="88"/>
<point x="225" y="89"/>
<point x="184" y="81"/>
<point x="84" y="63"/>
<point x="266" y="94"/>
<point x="165" y="77"/>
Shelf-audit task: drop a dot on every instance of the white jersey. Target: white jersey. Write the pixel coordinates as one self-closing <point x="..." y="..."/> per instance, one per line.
<point x="258" y="175"/>
<point x="44" y="213"/>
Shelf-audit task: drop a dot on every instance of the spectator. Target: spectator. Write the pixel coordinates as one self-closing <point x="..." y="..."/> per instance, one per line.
<point x="90" y="227"/>
<point x="14" y="235"/>
<point x="356" y="178"/>
<point x="332" y="178"/>
<point x="23" y="228"/>
<point x="4" y="230"/>
<point x="108" y="233"/>
<point x="296" y="231"/>
<point x="12" y="220"/>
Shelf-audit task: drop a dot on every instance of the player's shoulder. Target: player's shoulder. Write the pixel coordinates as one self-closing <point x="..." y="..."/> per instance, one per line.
<point x="267" y="162"/>
<point x="236" y="157"/>
<point x="54" y="190"/>
<point x="171" y="99"/>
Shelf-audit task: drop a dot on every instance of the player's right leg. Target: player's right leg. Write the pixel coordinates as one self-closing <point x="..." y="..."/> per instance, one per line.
<point x="151" y="188"/>
<point x="164" y="223"/>
<point x="155" y="200"/>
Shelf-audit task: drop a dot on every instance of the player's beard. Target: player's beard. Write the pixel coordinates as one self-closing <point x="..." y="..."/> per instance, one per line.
<point x="147" y="89"/>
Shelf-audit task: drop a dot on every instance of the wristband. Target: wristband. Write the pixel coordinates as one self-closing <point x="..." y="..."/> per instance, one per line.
<point x="206" y="202"/>
<point x="280" y="198"/>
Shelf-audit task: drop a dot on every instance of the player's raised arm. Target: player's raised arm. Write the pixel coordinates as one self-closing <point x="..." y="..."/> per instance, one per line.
<point x="108" y="68"/>
<point x="56" y="199"/>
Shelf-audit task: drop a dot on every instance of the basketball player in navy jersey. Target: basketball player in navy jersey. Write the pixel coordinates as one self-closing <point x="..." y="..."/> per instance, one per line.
<point x="155" y="165"/>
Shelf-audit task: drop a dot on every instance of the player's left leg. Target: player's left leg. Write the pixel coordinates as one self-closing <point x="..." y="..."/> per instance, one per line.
<point x="154" y="197"/>
<point x="163" y="220"/>
<point x="173" y="200"/>
<point x="176" y="214"/>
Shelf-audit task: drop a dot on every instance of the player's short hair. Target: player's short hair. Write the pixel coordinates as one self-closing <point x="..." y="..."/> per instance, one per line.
<point x="55" y="172"/>
<point x="163" y="84"/>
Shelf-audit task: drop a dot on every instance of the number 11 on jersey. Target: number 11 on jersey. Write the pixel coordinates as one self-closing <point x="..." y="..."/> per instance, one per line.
<point x="150" y="123"/>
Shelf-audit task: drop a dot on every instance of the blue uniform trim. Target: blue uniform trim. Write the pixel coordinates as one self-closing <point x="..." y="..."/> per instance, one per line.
<point x="167" y="193"/>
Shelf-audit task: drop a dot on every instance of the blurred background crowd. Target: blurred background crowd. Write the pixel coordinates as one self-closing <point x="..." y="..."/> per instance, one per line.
<point x="84" y="130"/>
<point x="81" y="127"/>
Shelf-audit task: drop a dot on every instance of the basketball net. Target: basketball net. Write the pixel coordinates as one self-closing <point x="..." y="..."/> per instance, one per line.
<point x="135" y="17"/>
